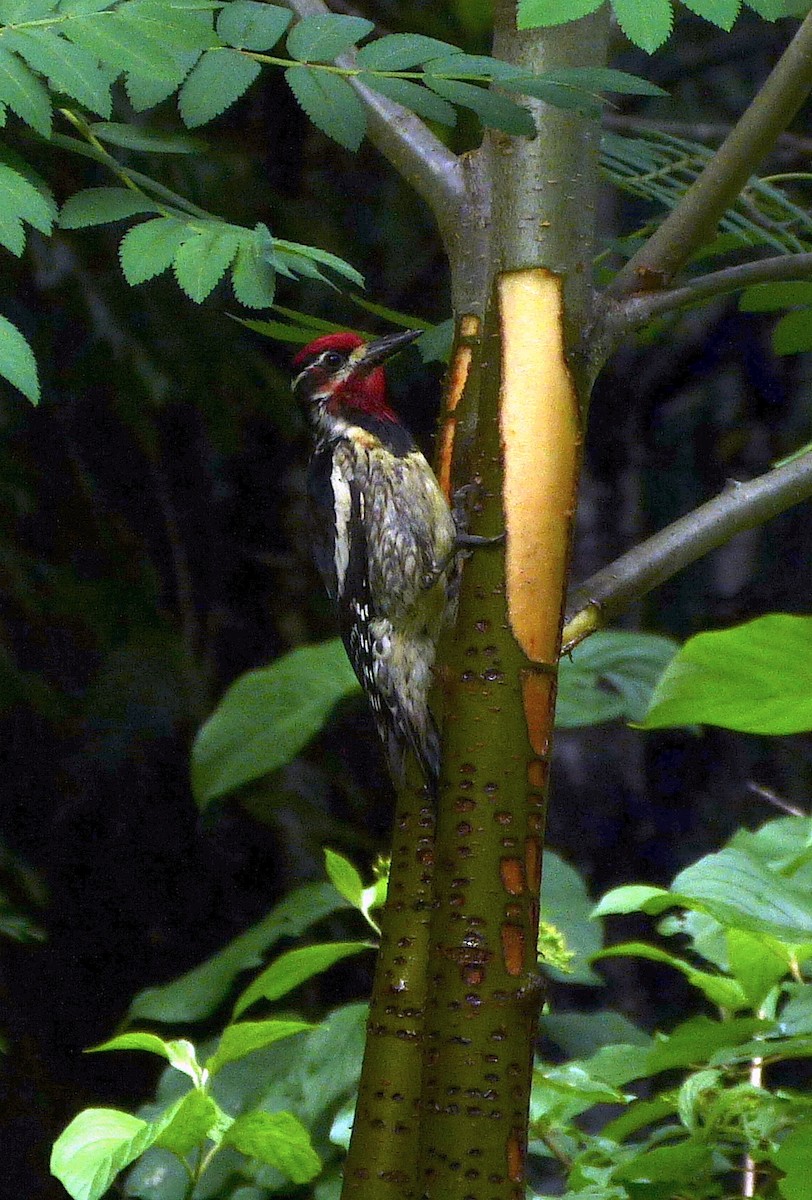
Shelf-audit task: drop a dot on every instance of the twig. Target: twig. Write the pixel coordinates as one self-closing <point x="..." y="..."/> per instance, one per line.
<point x="773" y="798"/>
<point x="698" y="213"/>
<point x="740" y="506"/>
<point x="639" y="309"/>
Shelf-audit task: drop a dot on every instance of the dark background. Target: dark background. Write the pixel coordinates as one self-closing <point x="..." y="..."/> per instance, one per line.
<point x="152" y="548"/>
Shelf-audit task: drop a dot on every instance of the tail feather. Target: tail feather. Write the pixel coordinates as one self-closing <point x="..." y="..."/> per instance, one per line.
<point x="424" y="744"/>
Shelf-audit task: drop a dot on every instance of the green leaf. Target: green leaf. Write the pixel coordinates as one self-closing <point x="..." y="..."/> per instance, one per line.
<point x="602" y="79"/>
<point x="145" y="91"/>
<point x="12" y="233"/>
<point x="330" y="103"/>
<point x="753" y="678"/>
<point x="67" y="67"/>
<point x="793" y="333"/>
<point x="198" y="993"/>
<point x="148" y="249"/>
<point x="685" y="1160"/>
<point x="24" y="94"/>
<point x="739" y="892"/>
<point x="193" y="1119"/>
<point x="278" y="1139"/>
<point x="476" y="66"/>
<point x="492" y="108"/>
<point x="698" y="1039"/>
<point x="17" y="362"/>
<point x="293" y="968"/>
<point x="180" y="28"/>
<point x="399" y="51"/>
<point x="202" y="260"/>
<point x="320" y="39"/>
<point x="251" y="25"/>
<point x="294" y="252"/>
<point x="718" y="989"/>
<point x="533" y="13"/>
<point x="794" y="1158"/>
<point x="796" y="1015"/>
<point x="721" y="12"/>
<point x="267" y="717"/>
<point x="123" y="44"/>
<point x="413" y="96"/>
<point x="647" y="25"/>
<point x="179" y="1053"/>
<point x="247" y="1036"/>
<point x="22" y="199"/>
<point x="609" y="676"/>
<point x="154" y="141"/>
<point x="635" y="897"/>
<point x="253" y="276"/>
<point x="97" y="1144"/>
<point x="215" y="83"/>
<point x="344" y="877"/>
<point x="566" y="904"/>
<point x="102" y="205"/>
<point x="771" y="297"/>
<point x="757" y="962"/>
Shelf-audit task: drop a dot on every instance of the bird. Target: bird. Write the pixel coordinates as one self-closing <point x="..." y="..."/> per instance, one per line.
<point x="384" y="537"/>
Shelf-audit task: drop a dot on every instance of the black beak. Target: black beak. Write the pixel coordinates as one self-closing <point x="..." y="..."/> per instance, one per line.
<point x="384" y="348"/>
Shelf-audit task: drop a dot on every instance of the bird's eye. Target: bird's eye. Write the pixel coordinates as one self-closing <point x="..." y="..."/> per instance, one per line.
<point x="332" y="359"/>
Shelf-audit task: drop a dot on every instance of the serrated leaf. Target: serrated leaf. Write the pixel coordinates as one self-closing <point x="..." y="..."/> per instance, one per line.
<point x="793" y="333"/>
<point x="399" y="51"/>
<point x="148" y="249"/>
<point x="492" y="108"/>
<point x="720" y="12"/>
<point x="476" y="66"/>
<point x="245" y="1037"/>
<point x="215" y="83"/>
<point x="330" y="103"/>
<point x="97" y="1144"/>
<point x="145" y="91"/>
<point x="12" y="11"/>
<point x="124" y="45"/>
<point x="290" y="970"/>
<point x="177" y="28"/>
<point x="251" y="25"/>
<point x="647" y="25"/>
<point x="253" y="277"/>
<point x="99" y="206"/>
<point x="21" y="199"/>
<point x="17" y="362"/>
<point x="322" y="38"/>
<point x="68" y="68"/>
<point x="12" y="233"/>
<point x="278" y="1139"/>
<point x="202" y="260"/>
<point x="535" y="13"/>
<point x="413" y="96"/>
<point x="134" y="137"/>
<point x="603" y="79"/>
<point x="296" y="252"/>
<point x="24" y="94"/>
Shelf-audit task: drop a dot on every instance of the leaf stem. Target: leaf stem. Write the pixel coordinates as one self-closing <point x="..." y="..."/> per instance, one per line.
<point x="608" y="593"/>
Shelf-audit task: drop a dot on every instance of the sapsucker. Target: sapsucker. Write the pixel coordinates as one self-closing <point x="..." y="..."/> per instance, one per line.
<point x="384" y="537"/>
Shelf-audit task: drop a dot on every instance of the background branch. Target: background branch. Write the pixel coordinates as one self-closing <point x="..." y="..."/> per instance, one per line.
<point x="740" y="506"/>
<point x="696" y="216"/>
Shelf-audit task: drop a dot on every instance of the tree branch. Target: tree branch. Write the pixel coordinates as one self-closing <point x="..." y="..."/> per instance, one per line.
<point x="638" y="310"/>
<point x="698" y="213"/>
<point x="417" y="155"/>
<point x="740" y="506"/>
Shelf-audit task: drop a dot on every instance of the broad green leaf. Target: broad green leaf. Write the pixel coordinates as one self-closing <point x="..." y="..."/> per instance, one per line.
<point x="214" y="83"/>
<point x="330" y="103"/>
<point x="145" y="91"/>
<point x="193" y="1119"/>
<point x="579" y="1034"/>
<point x="344" y="877"/>
<point x="148" y="249"/>
<point x="202" y="260"/>
<point x="794" y="1158"/>
<point x="696" y="1040"/>
<point x="247" y="1036"/>
<point x="68" y="68"/>
<point x="97" y="1144"/>
<point x="533" y="13"/>
<point x="23" y="200"/>
<point x="278" y="1139"/>
<point x="721" y="12"/>
<point x="492" y="108"/>
<point x="123" y="44"/>
<point x="771" y="297"/>
<point x="647" y="25"/>
<point x="399" y="51"/>
<point x="253" y="277"/>
<point x="102" y="205"/>
<point x="784" y="844"/>
<point x="758" y="962"/>
<point x="793" y="333"/>
<point x="12" y="11"/>
<point x="796" y="1015"/>
<point x="267" y="717"/>
<point x="320" y="39"/>
<point x="251" y="25"/>
<point x="635" y="897"/>
<point x="179" y="1053"/>
<point x="684" y="1160"/>
<point x="134" y="137"/>
<point x="609" y="676"/>
<point x="753" y="678"/>
<point x="718" y="989"/>
<point x="180" y="29"/>
<point x="413" y="96"/>
<point x="741" y="893"/>
<point x="198" y="993"/>
<point x="24" y="93"/>
<point x="17" y="362"/>
<point x="566" y="904"/>
<point x="290" y="970"/>
<point x="12" y="233"/>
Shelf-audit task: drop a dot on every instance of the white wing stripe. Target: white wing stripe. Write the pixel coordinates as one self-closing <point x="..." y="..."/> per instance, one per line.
<point x="342" y="504"/>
